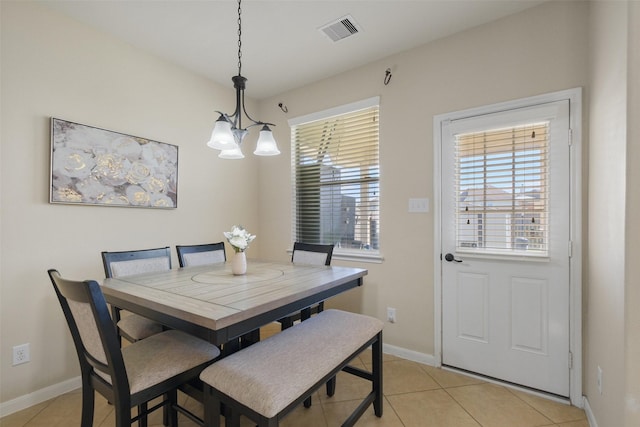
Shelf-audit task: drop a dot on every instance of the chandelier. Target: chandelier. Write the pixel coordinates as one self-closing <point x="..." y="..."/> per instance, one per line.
<point x="228" y="132"/>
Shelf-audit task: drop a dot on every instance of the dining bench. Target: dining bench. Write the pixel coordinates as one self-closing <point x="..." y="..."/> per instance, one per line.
<point x="267" y="380"/>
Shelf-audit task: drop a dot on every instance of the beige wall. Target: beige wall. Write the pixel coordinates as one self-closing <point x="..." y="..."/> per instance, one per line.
<point x="53" y="66"/>
<point x="632" y="243"/>
<point x="507" y="59"/>
<point x="611" y="325"/>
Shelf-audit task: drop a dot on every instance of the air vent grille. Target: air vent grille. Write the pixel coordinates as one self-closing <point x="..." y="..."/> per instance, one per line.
<point x="341" y="28"/>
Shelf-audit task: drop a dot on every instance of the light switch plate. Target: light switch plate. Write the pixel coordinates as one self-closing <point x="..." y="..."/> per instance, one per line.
<point x="419" y="205"/>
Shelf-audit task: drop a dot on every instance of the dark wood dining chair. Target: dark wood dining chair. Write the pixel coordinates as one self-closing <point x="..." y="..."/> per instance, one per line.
<point x="131" y="326"/>
<point x="131" y="376"/>
<point x="310" y="254"/>
<point x="209" y="253"/>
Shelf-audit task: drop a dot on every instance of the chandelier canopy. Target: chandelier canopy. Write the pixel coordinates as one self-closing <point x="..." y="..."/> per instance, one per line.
<point x="228" y="132"/>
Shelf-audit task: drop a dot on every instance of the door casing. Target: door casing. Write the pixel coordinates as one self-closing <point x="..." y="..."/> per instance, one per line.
<point x="575" y="187"/>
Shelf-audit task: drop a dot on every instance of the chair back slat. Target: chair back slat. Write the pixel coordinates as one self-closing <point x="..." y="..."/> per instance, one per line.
<point x="311" y="258"/>
<point x="203" y="258"/>
<point x="312" y="254"/>
<point x="127" y="263"/>
<point x="139" y="266"/>
<point x="193" y="255"/>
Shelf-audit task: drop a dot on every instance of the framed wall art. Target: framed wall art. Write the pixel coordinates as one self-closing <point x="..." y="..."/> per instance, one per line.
<point x="93" y="166"/>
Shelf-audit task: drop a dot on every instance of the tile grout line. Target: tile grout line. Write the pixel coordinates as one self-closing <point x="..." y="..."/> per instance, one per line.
<point x="553" y="422"/>
<point x="394" y="411"/>
<point x="460" y="404"/>
<point x="443" y="388"/>
<point x="531" y="406"/>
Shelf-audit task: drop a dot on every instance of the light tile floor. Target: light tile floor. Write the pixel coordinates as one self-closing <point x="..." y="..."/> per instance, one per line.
<point x="416" y="395"/>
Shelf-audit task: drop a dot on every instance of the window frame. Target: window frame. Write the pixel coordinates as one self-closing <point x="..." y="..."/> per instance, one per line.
<point x="340" y="253"/>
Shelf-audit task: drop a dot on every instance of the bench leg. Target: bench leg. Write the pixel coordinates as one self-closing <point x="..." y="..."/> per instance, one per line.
<point x="376" y="355"/>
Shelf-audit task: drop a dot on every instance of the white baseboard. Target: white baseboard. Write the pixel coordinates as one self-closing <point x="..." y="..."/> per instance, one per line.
<point x="589" y="412"/>
<point x="39" y="396"/>
<point x="414" y="356"/>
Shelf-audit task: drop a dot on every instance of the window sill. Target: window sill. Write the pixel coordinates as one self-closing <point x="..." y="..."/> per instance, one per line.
<point x="356" y="255"/>
<point x="374" y="257"/>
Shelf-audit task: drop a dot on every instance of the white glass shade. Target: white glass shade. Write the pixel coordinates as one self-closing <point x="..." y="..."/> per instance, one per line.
<point x="222" y="138"/>
<point x="234" y="153"/>
<point x="266" y="145"/>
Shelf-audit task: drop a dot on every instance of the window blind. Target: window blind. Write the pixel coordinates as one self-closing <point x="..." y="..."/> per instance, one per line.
<point x="335" y="166"/>
<point x="502" y="190"/>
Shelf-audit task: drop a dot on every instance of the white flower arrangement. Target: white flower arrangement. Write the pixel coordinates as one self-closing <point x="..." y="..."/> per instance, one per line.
<point x="239" y="238"/>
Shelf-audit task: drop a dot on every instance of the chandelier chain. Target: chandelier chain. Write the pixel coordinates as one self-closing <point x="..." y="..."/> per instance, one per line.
<point x="239" y="38"/>
<point x="228" y="133"/>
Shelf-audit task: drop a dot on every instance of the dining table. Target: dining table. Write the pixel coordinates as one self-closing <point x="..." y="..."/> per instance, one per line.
<point x="211" y="302"/>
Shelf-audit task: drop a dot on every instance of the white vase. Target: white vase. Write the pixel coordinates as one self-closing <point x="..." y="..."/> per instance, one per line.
<point x="239" y="264"/>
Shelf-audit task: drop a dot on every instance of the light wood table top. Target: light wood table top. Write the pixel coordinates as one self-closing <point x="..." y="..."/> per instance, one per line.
<point x="211" y="302"/>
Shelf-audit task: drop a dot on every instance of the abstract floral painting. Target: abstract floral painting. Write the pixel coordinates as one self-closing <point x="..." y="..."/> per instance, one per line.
<point x="94" y="166"/>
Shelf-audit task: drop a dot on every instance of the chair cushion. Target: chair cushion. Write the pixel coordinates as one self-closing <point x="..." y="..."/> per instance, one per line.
<point x="88" y="329"/>
<point x="163" y="356"/>
<point x="308" y="257"/>
<point x="271" y="374"/>
<point x="138" y="327"/>
<point x="139" y="266"/>
<point x="203" y="258"/>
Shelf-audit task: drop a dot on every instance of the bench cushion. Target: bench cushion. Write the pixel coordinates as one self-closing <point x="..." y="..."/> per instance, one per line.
<point x="271" y="374"/>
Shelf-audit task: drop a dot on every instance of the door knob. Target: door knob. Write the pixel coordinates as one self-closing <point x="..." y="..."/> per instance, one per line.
<point x="450" y="257"/>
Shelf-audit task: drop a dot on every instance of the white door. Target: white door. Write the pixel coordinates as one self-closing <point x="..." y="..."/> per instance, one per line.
<point x="506" y="245"/>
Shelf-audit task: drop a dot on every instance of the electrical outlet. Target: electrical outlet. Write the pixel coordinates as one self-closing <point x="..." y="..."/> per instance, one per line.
<point x="599" y="380"/>
<point x="21" y="354"/>
<point x="391" y="315"/>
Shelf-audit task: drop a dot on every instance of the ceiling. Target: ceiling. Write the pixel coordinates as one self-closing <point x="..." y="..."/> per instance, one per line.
<point x="282" y="46"/>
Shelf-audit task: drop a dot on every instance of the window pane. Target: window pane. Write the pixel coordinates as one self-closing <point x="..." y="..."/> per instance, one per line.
<point x="336" y="175"/>
<point x="502" y="190"/>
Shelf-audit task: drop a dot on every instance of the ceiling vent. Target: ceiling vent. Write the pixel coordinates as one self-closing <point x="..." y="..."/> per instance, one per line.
<point x="341" y="28"/>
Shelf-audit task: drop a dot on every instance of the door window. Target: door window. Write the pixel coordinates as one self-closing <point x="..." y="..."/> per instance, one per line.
<point x="501" y="190"/>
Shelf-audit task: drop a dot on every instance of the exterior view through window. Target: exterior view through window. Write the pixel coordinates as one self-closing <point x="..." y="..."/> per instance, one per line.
<point x="336" y="195"/>
<point x="502" y="190"/>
